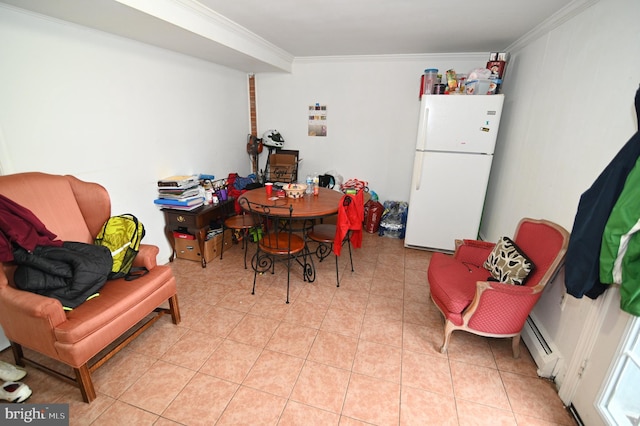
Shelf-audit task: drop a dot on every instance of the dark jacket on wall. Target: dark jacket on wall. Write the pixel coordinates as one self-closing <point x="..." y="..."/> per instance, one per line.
<point x="70" y="273"/>
<point x="582" y="264"/>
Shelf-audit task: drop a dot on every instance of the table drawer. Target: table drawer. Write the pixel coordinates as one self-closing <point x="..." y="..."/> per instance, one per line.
<point x="180" y="219"/>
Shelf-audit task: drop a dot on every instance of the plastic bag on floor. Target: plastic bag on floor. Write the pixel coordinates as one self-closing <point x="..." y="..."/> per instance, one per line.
<point x="394" y="219"/>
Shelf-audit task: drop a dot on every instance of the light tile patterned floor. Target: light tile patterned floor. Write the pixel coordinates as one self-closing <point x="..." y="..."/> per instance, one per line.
<point x="365" y="353"/>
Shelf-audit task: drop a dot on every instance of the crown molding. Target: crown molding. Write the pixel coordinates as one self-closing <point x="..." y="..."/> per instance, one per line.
<point x="395" y="57"/>
<point x="193" y="16"/>
<point x="568" y="12"/>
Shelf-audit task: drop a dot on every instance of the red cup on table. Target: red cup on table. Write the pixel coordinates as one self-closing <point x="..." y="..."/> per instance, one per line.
<point x="269" y="188"/>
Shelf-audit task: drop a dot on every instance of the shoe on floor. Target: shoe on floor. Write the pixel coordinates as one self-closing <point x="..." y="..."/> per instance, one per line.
<point x="15" y="392"/>
<point x="11" y="373"/>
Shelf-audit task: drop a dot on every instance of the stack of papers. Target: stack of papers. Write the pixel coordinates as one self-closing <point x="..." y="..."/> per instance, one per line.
<point x="179" y="192"/>
<point x="178" y="182"/>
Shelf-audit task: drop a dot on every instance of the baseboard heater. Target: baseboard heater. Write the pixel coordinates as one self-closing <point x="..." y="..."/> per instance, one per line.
<point x="542" y="349"/>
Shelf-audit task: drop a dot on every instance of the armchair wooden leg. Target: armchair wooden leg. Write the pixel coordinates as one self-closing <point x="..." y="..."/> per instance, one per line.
<point x="18" y="355"/>
<point x="448" y="329"/>
<point x="515" y="346"/>
<point x="174" y="309"/>
<point x="83" y="376"/>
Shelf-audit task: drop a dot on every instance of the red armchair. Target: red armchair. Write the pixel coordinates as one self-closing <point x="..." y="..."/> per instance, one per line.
<point x="469" y="301"/>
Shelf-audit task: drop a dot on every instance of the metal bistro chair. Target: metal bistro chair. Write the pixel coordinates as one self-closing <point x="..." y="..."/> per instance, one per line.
<point x="325" y="235"/>
<point x="279" y="243"/>
<point x="243" y="223"/>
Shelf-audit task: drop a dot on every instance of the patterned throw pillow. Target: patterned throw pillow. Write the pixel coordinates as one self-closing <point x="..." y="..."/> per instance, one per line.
<point x="507" y="263"/>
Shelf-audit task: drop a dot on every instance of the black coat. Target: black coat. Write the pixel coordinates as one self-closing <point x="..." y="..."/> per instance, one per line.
<point x="70" y="273"/>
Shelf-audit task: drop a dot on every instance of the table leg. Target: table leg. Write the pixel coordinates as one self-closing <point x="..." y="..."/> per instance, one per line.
<point x="172" y="242"/>
<point x="309" y="270"/>
<point x="202" y="232"/>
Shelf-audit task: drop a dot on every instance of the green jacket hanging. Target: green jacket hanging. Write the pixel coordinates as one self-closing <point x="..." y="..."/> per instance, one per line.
<point x="620" y="250"/>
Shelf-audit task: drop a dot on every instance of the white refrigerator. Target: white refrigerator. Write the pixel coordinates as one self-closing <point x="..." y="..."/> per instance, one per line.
<point x="454" y="151"/>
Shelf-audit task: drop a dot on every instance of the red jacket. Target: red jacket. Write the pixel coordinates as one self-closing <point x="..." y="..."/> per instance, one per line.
<point x="20" y="226"/>
<point x="350" y="217"/>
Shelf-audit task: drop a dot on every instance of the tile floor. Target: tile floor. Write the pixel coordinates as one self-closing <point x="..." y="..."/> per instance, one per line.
<point x="365" y="353"/>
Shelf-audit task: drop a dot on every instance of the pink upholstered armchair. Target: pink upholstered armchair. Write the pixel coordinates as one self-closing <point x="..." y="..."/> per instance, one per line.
<point x="90" y="334"/>
<point x="461" y="289"/>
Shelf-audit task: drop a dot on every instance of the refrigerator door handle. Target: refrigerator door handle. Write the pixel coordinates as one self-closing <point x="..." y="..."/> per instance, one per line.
<point x="417" y="169"/>
<point x="422" y="126"/>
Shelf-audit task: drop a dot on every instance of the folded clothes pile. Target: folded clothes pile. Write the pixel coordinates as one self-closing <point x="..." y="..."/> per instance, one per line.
<point x="12" y="390"/>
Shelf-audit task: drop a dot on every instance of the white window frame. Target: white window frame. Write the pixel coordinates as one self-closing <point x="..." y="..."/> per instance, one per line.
<point x="623" y="356"/>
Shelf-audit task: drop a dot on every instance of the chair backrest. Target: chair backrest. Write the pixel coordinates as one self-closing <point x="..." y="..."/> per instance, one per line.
<point x="72" y="209"/>
<point x="545" y="243"/>
<point x="277" y="223"/>
<point x="352" y="210"/>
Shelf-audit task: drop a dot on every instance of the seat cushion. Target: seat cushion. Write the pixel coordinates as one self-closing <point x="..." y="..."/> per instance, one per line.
<point x="453" y="284"/>
<point x="117" y="300"/>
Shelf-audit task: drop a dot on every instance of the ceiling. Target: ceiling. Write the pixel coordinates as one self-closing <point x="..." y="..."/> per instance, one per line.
<point x="372" y="27"/>
<point x="267" y="35"/>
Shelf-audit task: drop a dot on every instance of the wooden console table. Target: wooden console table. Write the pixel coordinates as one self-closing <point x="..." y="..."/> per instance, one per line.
<point x="195" y="222"/>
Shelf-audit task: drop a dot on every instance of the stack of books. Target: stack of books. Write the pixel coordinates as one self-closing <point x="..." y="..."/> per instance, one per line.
<point x="180" y="193"/>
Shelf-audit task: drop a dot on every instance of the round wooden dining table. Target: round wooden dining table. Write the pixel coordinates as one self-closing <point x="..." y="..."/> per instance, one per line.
<point x="308" y="207"/>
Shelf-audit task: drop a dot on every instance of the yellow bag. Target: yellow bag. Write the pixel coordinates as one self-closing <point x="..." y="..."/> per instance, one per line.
<point x="122" y="235"/>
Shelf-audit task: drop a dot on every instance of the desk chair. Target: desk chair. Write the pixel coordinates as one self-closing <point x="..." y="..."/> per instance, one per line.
<point x="279" y="243"/>
<point x="243" y="223"/>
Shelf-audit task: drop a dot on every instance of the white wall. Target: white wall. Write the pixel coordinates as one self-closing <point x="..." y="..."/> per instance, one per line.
<point x="569" y="111"/>
<point x="372" y="114"/>
<point x="114" y="111"/>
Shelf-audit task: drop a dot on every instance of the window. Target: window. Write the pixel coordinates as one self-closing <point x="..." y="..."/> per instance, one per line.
<point x="619" y="403"/>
